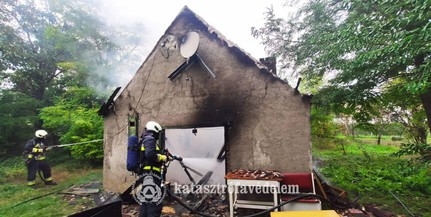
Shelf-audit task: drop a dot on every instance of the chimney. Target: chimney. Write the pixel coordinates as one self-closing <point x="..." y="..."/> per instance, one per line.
<point x="271" y="63"/>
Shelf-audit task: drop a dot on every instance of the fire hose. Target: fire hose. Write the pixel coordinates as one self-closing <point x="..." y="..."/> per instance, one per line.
<point x="64" y="145"/>
<point x="40" y="196"/>
<point x="76" y="143"/>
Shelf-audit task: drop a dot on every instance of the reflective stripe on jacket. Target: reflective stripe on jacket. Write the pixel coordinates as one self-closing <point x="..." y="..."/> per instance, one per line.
<point x="35" y="149"/>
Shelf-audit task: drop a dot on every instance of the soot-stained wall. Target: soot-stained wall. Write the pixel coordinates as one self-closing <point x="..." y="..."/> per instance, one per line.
<point x="269" y="122"/>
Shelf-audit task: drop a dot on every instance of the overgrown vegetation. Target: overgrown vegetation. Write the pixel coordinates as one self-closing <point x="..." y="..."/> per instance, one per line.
<point x="372" y="173"/>
<point x="74" y="119"/>
<point x="367" y="64"/>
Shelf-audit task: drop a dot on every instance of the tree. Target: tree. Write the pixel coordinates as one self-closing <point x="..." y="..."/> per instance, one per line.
<point x="49" y="46"/>
<point x="17" y="117"/>
<point x="359" y="46"/>
<point x="74" y="119"/>
<point x="33" y="47"/>
<point x="323" y="127"/>
<point x="407" y="111"/>
<point x="46" y="46"/>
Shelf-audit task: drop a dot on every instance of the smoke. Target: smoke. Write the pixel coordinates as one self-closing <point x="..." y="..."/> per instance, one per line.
<point x="149" y="19"/>
<point x="132" y="44"/>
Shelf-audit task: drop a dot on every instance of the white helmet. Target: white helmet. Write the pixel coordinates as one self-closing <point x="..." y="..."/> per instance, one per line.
<point x="153" y="126"/>
<point x="40" y="133"/>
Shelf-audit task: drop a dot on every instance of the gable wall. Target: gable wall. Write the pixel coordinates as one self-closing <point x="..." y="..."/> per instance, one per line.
<point x="270" y="126"/>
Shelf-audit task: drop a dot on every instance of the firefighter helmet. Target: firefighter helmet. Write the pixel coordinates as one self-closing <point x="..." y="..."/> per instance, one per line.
<point x="153" y="126"/>
<point x="40" y="133"/>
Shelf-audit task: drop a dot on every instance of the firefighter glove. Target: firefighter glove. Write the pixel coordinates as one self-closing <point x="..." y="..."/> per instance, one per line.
<point x="162" y="158"/>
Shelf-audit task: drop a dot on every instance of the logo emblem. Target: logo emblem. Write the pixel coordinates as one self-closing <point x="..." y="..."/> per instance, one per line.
<point x="147" y="189"/>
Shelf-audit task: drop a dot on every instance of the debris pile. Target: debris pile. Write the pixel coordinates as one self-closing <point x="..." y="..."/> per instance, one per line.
<point x="210" y="203"/>
<point x="83" y="195"/>
<point x="130" y="210"/>
<point x="254" y="174"/>
<point x="89" y="196"/>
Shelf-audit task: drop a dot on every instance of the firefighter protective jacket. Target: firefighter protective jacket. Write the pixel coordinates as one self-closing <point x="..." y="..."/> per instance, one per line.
<point x="34" y="149"/>
<point x="152" y="152"/>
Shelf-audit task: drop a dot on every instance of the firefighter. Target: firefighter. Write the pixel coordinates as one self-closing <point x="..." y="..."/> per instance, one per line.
<point x="151" y="204"/>
<point x="34" y="153"/>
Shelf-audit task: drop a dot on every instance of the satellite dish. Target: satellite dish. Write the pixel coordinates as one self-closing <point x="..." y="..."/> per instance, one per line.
<point x="189" y="44"/>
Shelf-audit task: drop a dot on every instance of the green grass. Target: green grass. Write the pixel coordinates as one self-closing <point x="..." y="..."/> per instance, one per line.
<point x="18" y="198"/>
<point x="361" y="168"/>
<point x="370" y="172"/>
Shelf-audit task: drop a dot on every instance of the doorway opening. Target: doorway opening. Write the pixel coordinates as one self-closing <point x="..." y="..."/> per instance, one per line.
<point x="203" y="153"/>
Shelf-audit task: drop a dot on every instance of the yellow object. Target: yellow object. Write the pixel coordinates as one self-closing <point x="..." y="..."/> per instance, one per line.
<point x="162" y="158"/>
<point x="319" y="213"/>
<point x="153" y="168"/>
<point x="168" y="210"/>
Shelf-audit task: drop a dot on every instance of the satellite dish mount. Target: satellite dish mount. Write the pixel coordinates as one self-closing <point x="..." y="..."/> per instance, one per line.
<point x="188" y="49"/>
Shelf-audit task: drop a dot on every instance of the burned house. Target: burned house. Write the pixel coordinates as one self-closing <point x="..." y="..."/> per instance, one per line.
<point x="196" y="82"/>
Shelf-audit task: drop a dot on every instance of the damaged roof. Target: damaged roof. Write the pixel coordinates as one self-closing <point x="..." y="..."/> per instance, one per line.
<point x="186" y="11"/>
<point x="265" y="65"/>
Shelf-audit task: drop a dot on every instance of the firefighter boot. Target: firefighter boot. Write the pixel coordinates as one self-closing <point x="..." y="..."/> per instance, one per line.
<point x="32" y="184"/>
